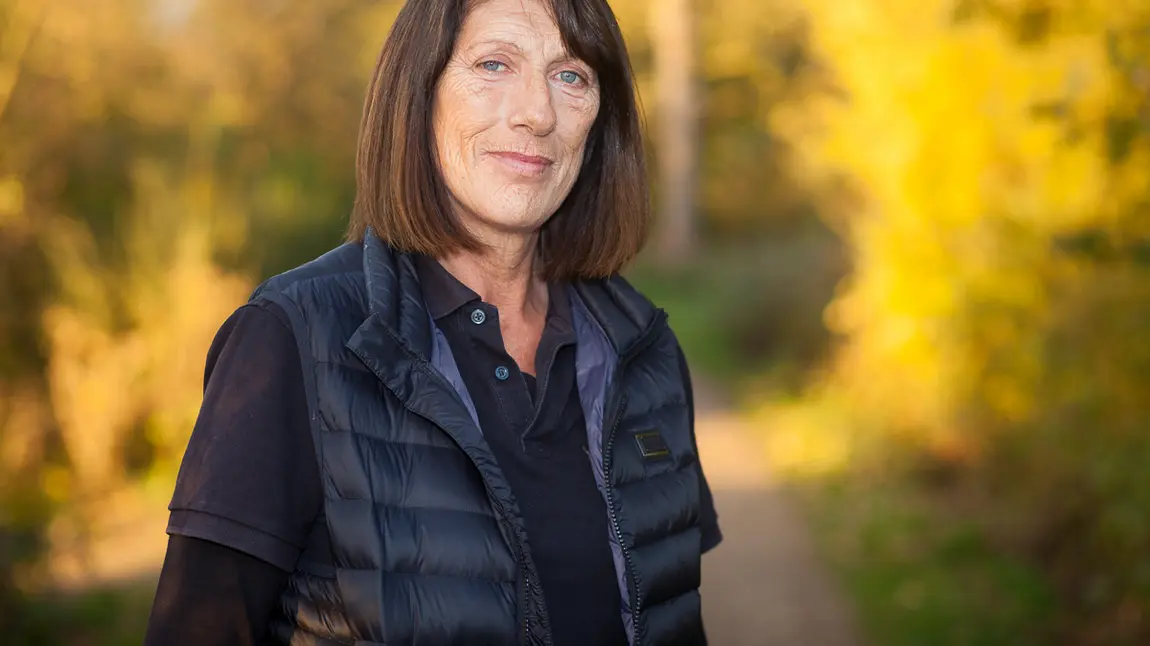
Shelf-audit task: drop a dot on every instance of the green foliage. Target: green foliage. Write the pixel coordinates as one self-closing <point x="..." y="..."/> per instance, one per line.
<point x="925" y="578"/>
<point x="112" y="616"/>
<point x="749" y="316"/>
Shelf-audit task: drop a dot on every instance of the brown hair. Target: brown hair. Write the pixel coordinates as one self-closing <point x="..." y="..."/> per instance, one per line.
<point x="401" y="195"/>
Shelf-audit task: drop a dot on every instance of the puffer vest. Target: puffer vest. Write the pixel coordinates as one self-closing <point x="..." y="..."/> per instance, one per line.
<point x="420" y="541"/>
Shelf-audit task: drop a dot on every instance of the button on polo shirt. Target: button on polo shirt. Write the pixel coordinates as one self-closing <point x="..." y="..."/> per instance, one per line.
<point x="535" y="426"/>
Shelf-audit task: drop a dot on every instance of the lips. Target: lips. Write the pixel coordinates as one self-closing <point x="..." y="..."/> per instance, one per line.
<point x="522" y="164"/>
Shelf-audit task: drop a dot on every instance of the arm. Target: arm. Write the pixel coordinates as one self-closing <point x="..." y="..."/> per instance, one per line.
<point x="212" y="595"/>
<point x="247" y="493"/>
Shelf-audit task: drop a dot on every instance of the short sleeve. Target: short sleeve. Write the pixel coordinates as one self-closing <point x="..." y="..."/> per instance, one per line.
<point x="708" y="517"/>
<point x="249" y="478"/>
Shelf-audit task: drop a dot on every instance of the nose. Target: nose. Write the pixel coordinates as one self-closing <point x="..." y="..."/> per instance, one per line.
<point x="531" y="106"/>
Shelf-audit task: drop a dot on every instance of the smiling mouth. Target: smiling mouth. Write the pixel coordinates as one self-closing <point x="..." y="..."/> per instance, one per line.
<point x="520" y="164"/>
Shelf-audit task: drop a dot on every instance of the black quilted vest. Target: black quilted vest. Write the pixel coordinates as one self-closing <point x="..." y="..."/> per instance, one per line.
<point x="420" y="542"/>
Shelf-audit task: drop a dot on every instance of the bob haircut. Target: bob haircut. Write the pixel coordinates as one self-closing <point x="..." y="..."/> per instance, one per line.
<point x="401" y="195"/>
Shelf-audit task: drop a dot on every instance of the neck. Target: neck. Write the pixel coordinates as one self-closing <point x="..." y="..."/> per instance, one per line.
<point x="503" y="274"/>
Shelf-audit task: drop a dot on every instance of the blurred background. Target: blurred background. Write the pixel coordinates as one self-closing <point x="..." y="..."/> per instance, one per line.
<point x="908" y="242"/>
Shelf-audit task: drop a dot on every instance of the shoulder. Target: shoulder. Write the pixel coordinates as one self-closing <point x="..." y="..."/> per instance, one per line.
<point x="339" y="269"/>
<point x="642" y="309"/>
<point x="646" y="309"/>
<point x="617" y="305"/>
<point x="259" y="327"/>
<point x="331" y="285"/>
<point x="626" y="293"/>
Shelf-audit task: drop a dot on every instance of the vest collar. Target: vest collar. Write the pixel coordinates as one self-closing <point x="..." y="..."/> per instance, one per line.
<point x="394" y="297"/>
<point x="624" y="315"/>
<point x="397" y="343"/>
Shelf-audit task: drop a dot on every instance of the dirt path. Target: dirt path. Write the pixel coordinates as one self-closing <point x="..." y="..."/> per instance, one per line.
<point x="763" y="586"/>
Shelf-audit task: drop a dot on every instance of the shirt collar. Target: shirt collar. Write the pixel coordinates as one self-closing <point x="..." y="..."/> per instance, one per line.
<point x="559" y="317"/>
<point x="444" y="294"/>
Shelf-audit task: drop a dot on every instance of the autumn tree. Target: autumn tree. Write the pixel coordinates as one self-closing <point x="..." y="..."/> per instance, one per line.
<point x="999" y="210"/>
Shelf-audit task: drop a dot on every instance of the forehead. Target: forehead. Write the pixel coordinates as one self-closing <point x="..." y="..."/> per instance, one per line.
<point x="510" y="20"/>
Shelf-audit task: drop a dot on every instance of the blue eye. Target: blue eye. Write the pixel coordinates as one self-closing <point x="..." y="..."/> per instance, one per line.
<point x="570" y="77"/>
<point x="491" y="66"/>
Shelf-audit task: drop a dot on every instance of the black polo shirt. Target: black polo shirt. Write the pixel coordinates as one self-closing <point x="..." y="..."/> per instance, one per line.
<point x="249" y="488"/>
<point x="535" y="426"/>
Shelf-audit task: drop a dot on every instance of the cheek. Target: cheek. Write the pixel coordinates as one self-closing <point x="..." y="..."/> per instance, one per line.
<point x="459" y="119"/>
<point x="580" y="119"/>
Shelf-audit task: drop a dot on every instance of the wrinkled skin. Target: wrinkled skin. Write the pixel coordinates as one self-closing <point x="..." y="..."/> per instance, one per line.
<point x="512" y="114"/>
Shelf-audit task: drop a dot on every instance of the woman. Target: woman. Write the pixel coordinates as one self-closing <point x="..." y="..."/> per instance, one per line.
<point x="461" y="427"/>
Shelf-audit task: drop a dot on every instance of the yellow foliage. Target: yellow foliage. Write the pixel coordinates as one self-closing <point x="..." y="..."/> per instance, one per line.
<point x="11" y="204"/>
<point x="126" y="347"/>
<point x="999" y="307"/>
<point x="105" y="381"/>
<point x="965" y="186"/>
<point x="807" y="441"/>
<point x="26" y="414"/>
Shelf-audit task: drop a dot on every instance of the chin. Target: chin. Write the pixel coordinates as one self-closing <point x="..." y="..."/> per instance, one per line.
<point x="522" y="214"/>
<point x="525" y="223"/>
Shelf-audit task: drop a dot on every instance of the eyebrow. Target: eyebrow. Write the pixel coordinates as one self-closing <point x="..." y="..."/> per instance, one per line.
<point x="567" y="57"/>
<point x="498" y="41"/>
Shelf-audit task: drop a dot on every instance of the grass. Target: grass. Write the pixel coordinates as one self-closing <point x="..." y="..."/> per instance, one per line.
<point x="112" y="616"/>
<point x="920" y="576"/>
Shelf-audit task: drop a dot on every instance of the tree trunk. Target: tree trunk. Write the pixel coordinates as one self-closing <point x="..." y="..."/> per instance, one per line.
<point x="676" y="134"/>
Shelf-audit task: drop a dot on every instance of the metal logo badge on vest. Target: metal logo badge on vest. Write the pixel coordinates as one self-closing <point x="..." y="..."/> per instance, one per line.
<point x="652" y="446"/>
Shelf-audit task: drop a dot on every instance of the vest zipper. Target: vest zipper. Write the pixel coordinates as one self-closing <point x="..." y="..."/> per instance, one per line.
<point x="526" y="615"/>
<point x="608" y="457"/>
<point x="636" y="602"/>
<point x="529" y="586"/>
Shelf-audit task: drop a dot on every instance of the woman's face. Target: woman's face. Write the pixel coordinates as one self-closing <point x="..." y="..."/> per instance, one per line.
<point x="511" y="117"/>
